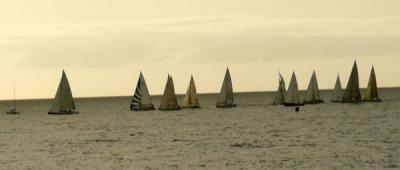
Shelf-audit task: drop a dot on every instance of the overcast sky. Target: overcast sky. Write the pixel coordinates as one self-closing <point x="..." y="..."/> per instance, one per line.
<point x="103" y="44"/>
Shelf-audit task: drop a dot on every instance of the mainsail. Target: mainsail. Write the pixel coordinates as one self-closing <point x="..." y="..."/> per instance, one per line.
<point x="280" y="94"/>
<point x="225" y="98"/>
<point x="191" y="100"/>
<point x="352" y="93"/>
<point x="63" y="102"/>
<point x="338" y="91"/>
<point x="312" y="93"/>
<point x="169" y="101"/>
<point x="371" y="93"/>
<point x="141" y="100"/>
<point x="293" y="95"/>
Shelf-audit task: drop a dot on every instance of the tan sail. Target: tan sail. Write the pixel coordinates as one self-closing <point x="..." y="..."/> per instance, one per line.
<point x="312" y="94"/>
<point x="63" y="102"/>
<point x="225" y="98"/>
<point x="191" y="100"/>
<point x="337" y="91"/>
<point x="280" y="94"/>
<point x="169" y="101"/>
<point x="352" y="93"/>
<point x="293" y="95"/>
<point x="371" y="93"/>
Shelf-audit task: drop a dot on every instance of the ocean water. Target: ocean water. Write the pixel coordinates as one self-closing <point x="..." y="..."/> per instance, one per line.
<point x="255" y="135"/>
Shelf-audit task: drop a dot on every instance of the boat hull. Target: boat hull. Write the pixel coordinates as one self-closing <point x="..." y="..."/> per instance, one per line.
<point x="373" y="101"/>
<point x="63" y="113"/>
<point x="170" y="108"/>
<point x="12" y="113"/>
<point x="293" y="104"/>
<point x="143" y="108"/>
<point x="226" y="105"/>
<point x="191" y="107"/>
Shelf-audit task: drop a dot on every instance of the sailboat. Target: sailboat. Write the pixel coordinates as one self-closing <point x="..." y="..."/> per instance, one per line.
<point x="312" y="94"/>
<point x="169" y="101"/>
<point x="63" y="102"/>
<point x="225" y="99"/>
<point x="352" y="93"/>
<point x="371" y="93"/>
<point x="191" y="100"/>
<point x="338" y="91"/>
<point x="13" y="110"/>
<point x="280" y="94"/>
<point x="141" y="100"/>
<point x="293" y="95"/>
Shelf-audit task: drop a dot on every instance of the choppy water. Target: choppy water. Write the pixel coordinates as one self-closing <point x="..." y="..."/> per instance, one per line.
<point x="255" y="135"/>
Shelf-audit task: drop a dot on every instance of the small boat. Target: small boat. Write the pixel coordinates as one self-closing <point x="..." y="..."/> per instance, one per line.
<point x="352" y="93"/>
<point x="280" y="94"/>
<point x="225" y="99"/>
<point x="337" y="92"/>
<point x="141" y="100"/>
<point x="13" y="110"/>
<point x="293" y="95"/>
<point x="191" y="100"/>
<point x="371" y="93"/>
<point x="63" y="102"/>
<point x="169" y="101"/>
<point x="312" y="94"/>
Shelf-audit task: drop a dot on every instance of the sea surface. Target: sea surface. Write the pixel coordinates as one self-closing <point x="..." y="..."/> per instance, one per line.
<point x="254" y="135"/>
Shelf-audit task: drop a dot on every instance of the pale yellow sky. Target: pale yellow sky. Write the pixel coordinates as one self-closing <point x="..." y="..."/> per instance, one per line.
<point x="104" y="44"/>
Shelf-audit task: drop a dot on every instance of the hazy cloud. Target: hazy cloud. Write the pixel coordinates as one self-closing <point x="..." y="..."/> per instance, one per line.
<point x="199" y="39"/>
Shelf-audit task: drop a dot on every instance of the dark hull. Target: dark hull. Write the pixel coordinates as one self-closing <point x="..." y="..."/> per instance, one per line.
<point x="226" y="105"/>
<point x="12" y="112"/>
<point x="63" y="113"/>
<point x="170" y="108"/>
<point x="191" y="107"/>
<point x="293" y="104"/>
<point x="373" y="101"/>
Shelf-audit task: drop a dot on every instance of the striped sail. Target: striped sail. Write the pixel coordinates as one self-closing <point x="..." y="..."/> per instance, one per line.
<point x="371" y="93"/>
<point x="191" y="100"/>
<point x="141" y="99"/>
<point x="293" y="94"/>
<point x="280" y="94"/>
<point x="312" y="93"/>
<point x="352" y="93"/>
<point x="225" y="98"/>
<point x="338" y="91"/>
<point x="63" y="101"/>
<point x="169" y="101"/>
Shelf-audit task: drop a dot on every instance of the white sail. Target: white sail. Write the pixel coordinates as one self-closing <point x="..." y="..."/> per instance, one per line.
<point x="280" y="94"/>
<point x="141" y="100"/>
<point x="169" y="101"/>
<point x="225" y="98"/>
<point x="352" y="93"/>
<point x="191" y="99"/>
<point x="338" y="91"/>
<point x="293" y="94"/>
<point x="63" y="102"/>
<point x="312" y="93"/>
<point x="371" y="93"/>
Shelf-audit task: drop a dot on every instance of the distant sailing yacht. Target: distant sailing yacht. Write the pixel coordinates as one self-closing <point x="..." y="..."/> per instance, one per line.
<point x="225" y="99"/>
<point x="312" y="94"/>
<point x="293" y="95"/>
<point x="63" y="102"/>
<point x="338" y="91"/>
<point x="191" y="100"/>
<point x="141" y="100"/>
<point x="13" y="110"/>
<point x="371" y="93"/>
<point x="352" y="93"/>
<point x="169" y="101"/>
<point x="280" y="94"/>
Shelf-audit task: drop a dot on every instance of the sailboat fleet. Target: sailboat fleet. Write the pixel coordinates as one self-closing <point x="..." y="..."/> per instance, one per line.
<point x="63" y="102"/>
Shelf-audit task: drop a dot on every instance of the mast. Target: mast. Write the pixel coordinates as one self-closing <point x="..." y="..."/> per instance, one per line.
<point x="293" y="94"/>
<point x="312" y="94"/>
<point x="225" y="98"/>
<point x="338" y="91"/>
<point x="281" y="92"/>
<point x="371" y="93"/>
